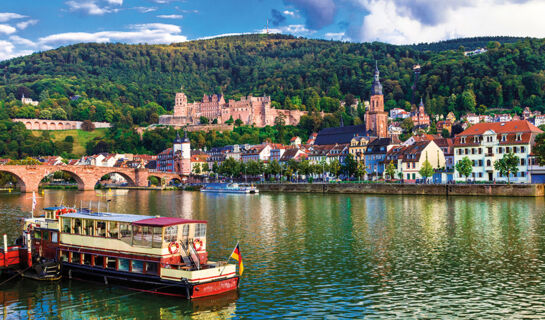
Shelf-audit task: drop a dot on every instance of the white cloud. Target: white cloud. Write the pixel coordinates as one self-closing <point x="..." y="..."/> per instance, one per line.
<point x="8" y="51"/>
<point x="393" y="23"/>
<point x="295" y="29"/>
<point x="116" y="2"/>
<point x="88" y="7"/>
<point x="7" y="29"/>
<point x="335" y="36"/>
<point x="153" y="33"/>
<point x="22" y="41"/>
<point x="145" y="9"/>
<point x="23" y="25"/>
<point x="7" y="16"/>
<point x="170" y="16"/>
<point x="289" y="13"/>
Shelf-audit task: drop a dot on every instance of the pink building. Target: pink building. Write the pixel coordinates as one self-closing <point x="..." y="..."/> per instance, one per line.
<point x="251" y="110"/>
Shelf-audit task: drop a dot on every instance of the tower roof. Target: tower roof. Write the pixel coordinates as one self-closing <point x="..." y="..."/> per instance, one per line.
<point x="376" y="88"/>
<point x="186" y="139"/>
<point x="178" y="139"/>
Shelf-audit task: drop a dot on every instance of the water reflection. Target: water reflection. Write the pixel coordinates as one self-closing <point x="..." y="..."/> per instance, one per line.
<point x="325" y="255"/>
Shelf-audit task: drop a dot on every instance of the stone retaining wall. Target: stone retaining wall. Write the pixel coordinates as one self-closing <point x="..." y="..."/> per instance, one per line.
<point x="514" y="190"/>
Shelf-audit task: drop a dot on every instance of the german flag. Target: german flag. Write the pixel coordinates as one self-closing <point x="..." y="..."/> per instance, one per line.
<point x="238" y="257"/>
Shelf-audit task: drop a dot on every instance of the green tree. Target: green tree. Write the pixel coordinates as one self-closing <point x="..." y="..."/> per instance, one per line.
<point x="507" y="165"/>
<point x="360" y="171"/>
<point x="350" y="165"/>
<point x="391" y="170"/>
<point x="204" y="120"/>
<point x="407" y="124"/>
<point x="468" y="101"/>
<point x="539" y="149"/>
<point x="426" y="170"/>
<point x="465" y="167"/>
<point x="335" y="167"/>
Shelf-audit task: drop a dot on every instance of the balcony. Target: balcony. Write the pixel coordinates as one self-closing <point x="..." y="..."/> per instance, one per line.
<point x="489" y="154"/>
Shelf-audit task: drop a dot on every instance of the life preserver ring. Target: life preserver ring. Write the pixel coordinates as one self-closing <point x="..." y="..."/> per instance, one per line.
<point x="176" y="245"/>
<point x="197" y="244"/>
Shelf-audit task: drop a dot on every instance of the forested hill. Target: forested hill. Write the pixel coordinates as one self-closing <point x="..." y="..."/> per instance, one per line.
<point x="464" y="43"/>
<point x="117" y="80"/>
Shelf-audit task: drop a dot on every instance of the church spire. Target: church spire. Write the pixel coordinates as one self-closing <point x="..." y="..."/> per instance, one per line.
<point x="376" y="88"/>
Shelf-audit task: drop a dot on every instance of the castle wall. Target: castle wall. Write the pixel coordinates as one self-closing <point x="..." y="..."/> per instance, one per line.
<point x="251" y="110"/>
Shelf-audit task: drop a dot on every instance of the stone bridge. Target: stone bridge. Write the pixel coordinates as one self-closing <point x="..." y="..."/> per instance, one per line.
<point x="29" y="176"/>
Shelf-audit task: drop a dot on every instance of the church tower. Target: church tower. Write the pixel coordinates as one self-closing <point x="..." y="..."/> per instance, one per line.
<point x="376" y="119"/>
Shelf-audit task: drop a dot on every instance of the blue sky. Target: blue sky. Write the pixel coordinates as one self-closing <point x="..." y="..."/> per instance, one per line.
<point x="28" y="26"/>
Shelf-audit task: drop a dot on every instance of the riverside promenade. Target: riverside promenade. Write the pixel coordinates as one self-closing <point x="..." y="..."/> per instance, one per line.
<point x="501" y="190"/>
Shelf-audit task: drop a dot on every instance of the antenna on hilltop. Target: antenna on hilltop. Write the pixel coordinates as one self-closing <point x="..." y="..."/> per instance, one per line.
<point x="267" y="26"/>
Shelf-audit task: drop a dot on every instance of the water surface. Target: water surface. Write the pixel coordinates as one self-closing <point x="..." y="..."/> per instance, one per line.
<point x="321" y="256"/>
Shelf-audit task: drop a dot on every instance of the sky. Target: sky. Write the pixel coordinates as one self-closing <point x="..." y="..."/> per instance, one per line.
<point x="28" y="26"/>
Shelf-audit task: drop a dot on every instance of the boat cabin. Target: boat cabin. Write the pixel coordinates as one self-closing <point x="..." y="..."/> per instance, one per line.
<point x="44" y="231"/>
<point x="166" y="240"/>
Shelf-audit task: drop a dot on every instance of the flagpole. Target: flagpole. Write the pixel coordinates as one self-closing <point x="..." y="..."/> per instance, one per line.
<point x="229" y="258"/>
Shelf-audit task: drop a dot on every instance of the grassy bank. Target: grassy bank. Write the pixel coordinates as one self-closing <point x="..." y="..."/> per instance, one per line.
<point x="80" y="137"/>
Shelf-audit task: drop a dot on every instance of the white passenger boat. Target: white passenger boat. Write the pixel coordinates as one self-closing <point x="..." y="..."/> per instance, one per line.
<point x="229" y="188"/>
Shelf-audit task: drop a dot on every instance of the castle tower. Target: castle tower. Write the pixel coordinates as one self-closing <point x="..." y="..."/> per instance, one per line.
<point x="180" y="105"/>
<point x="376" y="119"/>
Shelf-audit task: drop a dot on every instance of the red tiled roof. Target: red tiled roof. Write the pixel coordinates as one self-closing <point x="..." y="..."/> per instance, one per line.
<point x="501" y="127"/>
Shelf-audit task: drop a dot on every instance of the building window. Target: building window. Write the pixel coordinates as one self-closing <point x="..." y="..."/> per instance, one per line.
<point x="522" y="149"/>
<point x="522" y="162"/>
<point x="500" y="150"/>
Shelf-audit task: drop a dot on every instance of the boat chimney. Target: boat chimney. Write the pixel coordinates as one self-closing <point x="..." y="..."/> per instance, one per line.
<point x="6" y="247"/>
<point x="29" y="249"/>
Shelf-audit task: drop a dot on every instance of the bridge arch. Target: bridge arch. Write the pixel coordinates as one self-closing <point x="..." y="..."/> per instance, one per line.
<point x="130" y="180"/>
<point x="79" y="180"/>
<point x="20" y="181"/>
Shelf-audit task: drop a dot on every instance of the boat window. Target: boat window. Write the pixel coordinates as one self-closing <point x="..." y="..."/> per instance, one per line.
<point x="77" y="226"/>
<point x="38" y="235"/>
<point x="45" y="235"/>
<point x="99" y="261"/>
<point x="152" y="268"/>
<point x="142" y="236"/>
<point x="111" y="263"/>
<point x="76" y="257"/>
<point x="64" y="256"/>
<point x="125" y="232"/>
<point x="185" y="230"/>
<point x="66" y="225"/>
<point x="200" y="230"/>
<point x="54" y="237"/>
<point x="101" y="229"/>
<point x="171" y="234"/>
<point x="157" y="237"/>
<point x="113" y="230"/>
<point x="88" y="227"/>
<point x="124" y="264"/>
<point x="137" y="266"/>
<point x="87" y="258"/>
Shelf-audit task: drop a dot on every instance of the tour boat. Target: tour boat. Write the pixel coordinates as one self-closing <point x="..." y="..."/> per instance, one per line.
<point x="229" y="188"/>
<point x="164" y="255"/>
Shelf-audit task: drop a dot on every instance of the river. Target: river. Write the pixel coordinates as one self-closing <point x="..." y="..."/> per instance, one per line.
<point x="320" y="256"/>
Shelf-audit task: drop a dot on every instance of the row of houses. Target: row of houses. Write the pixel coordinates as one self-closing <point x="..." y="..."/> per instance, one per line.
<point x="482" y="143"/>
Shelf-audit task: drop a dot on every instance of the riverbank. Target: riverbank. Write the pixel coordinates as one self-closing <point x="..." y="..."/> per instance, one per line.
<point x="500" y="190"/>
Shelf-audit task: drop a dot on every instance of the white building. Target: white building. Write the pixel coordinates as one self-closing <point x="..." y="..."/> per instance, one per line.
<point x="484" y="143"/>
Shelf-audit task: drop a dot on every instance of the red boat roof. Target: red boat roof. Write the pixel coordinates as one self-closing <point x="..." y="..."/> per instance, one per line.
<point x="165" y="221"/>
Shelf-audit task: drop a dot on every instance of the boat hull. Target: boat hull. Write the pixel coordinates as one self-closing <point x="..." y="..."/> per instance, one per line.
<point x="230" y="191"/>
<point x="152" y="283"/>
